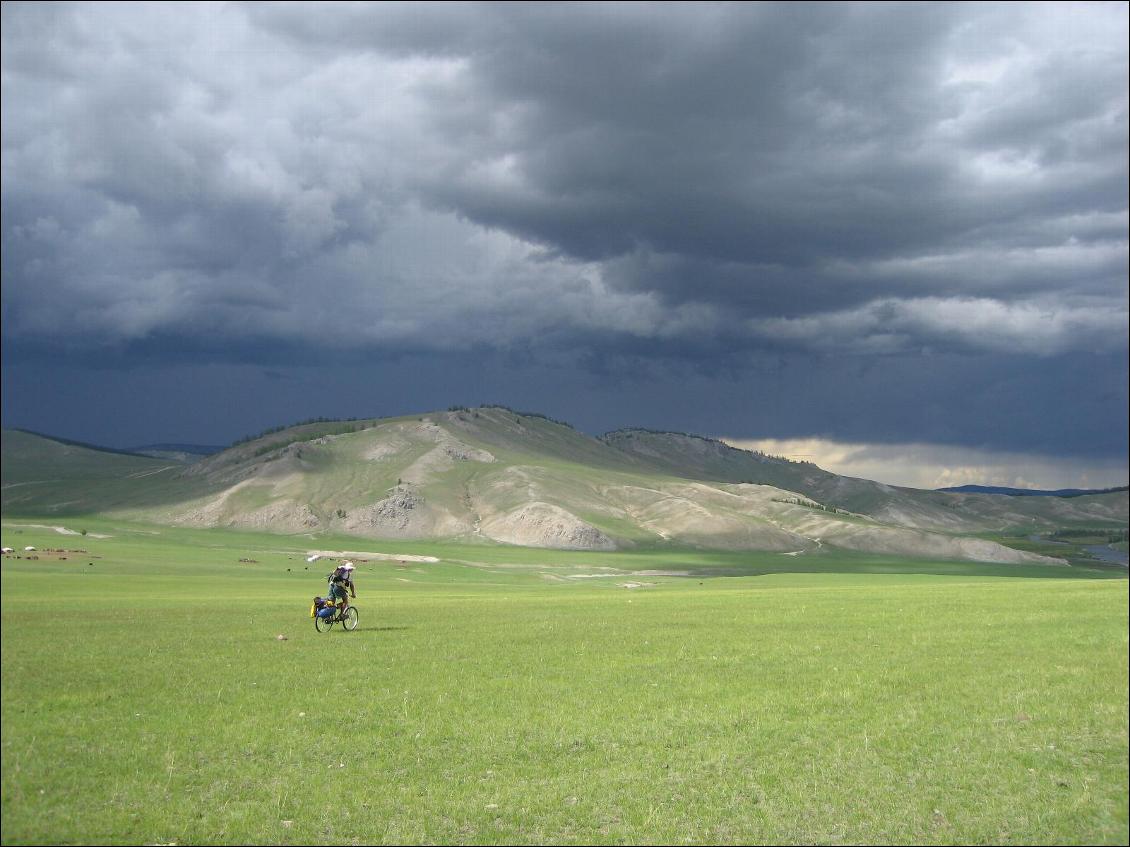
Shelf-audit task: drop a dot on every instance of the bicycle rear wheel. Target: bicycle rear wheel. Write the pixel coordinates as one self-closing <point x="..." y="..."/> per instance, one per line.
<point x="323" y="624"/>
<point x="349" y="619"/>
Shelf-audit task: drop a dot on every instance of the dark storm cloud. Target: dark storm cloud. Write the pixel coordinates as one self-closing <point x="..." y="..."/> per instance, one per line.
<point x="633" y="187"/>
<point x="250" y="169"/>
<point x="765" y="146"/>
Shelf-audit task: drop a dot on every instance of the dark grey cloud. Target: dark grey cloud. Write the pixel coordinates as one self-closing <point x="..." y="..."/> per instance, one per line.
<point x="997" y="402"/>
<point x="631" y="188"/>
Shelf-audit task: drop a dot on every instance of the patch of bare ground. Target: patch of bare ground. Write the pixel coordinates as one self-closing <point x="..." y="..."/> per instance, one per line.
<point x="876" y="538"/>
<point x="282" y="515"/>
<point x="363" y="556"/>
<point x="545" y="525"/>
<point x="700" y="514"/>
<point x="62" y="530"/>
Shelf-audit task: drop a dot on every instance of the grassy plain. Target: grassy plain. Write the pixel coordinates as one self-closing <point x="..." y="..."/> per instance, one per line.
<point x="505" y="695"/>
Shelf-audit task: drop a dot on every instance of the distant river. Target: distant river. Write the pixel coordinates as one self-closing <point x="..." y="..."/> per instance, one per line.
<point x="1108" y="554"/>
<point x="1098" y="551"/>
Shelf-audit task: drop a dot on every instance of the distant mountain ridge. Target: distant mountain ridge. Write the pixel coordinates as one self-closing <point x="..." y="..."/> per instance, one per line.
<point x="184" y="453"/>
<point x="490" y="474"/>
<point x="1031" y="492"/>
<point x="176" y="452"/>
<point x="70" y="442"/>
<point x="144" y="450"/>
<point x="195" y="449"/>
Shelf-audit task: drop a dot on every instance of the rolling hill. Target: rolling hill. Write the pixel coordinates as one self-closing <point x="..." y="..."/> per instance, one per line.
<point x="497" y="476"/>
<point x="44" y="475"/>
<point x="1030" y="492"/>
<point x="695" y="457"/>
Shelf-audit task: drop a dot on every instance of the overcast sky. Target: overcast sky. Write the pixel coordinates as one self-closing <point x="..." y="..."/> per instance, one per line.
<point x="871" y="225"/>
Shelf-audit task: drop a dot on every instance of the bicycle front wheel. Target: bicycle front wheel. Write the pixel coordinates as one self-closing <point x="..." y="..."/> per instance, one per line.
<point x="323" y="624"/>
<point x="349" y="619"/>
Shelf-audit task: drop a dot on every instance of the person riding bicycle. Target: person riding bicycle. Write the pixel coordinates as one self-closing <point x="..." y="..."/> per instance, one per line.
<point x="341" y="585"/>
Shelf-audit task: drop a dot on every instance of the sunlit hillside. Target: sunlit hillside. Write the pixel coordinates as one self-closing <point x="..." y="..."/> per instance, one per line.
<point x="496" y="476"/>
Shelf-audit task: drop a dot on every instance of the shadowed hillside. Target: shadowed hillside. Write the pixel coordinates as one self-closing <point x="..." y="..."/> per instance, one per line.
<point x="694" y="457"/>
<point x="46" y="476"/>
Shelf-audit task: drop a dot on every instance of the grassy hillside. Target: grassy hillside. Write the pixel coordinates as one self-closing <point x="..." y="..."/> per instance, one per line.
<point x="45" y="476"/>
<point x="491" y="475"/>
<point x="693" y="457"/>
<point x="494" y="476"/>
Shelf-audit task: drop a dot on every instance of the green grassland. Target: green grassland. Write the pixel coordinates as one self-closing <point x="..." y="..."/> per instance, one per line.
<point x="509" y="695"/>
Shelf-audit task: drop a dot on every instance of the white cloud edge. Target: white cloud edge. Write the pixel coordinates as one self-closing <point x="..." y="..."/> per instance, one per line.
<point x="931" y="466"/>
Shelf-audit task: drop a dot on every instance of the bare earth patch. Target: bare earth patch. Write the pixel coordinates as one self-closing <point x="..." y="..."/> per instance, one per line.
<point x="545" y="525"/>
<point x="62" y="530"/>
<point x="361" y="554"/>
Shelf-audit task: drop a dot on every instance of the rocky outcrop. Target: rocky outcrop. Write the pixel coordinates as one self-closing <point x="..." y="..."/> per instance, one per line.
<point x="404" y="514"/>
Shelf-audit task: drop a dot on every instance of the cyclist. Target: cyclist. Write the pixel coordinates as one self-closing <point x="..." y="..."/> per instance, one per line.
<point x="341" y="585"/>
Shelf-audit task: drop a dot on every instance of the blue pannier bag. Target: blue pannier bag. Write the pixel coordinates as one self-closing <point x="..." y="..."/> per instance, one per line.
<point x="326" y="612"/>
